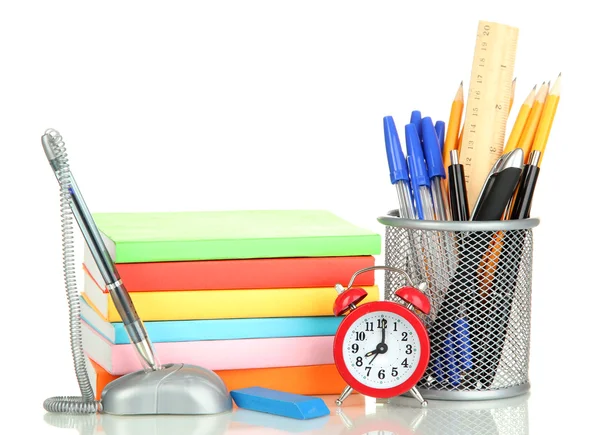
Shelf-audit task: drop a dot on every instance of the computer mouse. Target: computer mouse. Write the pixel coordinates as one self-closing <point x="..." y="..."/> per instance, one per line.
<point x="174" y="389"/>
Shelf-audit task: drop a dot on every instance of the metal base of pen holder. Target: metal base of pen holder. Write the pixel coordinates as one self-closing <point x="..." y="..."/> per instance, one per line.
<point x="478" y="278"/>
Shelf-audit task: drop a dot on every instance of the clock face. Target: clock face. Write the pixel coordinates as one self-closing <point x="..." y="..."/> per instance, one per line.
<point x="381" y="349"/>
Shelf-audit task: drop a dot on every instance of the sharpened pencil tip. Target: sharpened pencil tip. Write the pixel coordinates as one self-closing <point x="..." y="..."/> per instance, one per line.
<point x="461" y="82"/>
<point x="534" y="86"/>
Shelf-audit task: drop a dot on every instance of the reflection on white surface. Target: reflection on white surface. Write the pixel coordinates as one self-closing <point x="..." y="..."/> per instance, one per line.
<point x="400" y="416"/>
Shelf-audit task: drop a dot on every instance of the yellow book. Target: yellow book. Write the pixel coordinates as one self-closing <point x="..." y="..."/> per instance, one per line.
<point x="220" y="304"/>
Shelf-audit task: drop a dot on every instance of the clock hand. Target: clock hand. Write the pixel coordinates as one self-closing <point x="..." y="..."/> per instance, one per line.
<point x="380" y="347"/>
<point x="373" y="359"/>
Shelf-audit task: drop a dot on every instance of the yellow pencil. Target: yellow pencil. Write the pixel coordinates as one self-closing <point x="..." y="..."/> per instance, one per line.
<point x="520" y="122"/>
<point x="526" y="139"/>
<point x="547" y="117"/>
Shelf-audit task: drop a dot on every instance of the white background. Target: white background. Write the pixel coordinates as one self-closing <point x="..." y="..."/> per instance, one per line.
<point x="183" y="105"/>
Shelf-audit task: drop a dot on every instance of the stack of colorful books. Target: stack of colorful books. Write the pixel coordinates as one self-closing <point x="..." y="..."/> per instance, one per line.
<point x="248" y="294"/>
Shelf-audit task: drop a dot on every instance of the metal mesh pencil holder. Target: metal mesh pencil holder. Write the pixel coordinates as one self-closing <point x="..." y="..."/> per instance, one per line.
<point x="478" y="277"/>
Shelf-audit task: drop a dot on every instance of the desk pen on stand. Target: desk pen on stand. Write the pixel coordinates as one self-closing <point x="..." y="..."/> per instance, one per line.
<point x="123" y="303"/>
<point x="435" y="168"/>
<point x="418" y="173"/>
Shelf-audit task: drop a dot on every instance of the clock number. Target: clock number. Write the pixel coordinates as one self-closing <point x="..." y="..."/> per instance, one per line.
<point x="405" y="336"/>
<point x="360" y="336"/>
<point x="395" y="326"/>
<point x="408" y="349"/>
<point x="394" y="371"/>
<point x="354" y="348"/>
<point x="404" y="363"/>
<point x="368" y="369"/>
<point x="381" y="323"/>
<point x="381" y="374"/>
<point x="369" y="326"/>
<point x="359" y="361"/>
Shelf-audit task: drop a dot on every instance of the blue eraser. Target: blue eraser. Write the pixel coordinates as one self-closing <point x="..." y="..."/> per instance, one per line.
<point x="280" y="403"/>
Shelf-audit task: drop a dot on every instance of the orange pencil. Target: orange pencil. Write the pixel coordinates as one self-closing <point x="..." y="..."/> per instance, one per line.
<point x="454" y="124"/>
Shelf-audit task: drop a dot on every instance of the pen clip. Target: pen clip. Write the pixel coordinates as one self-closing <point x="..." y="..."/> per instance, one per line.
<point x="499" y="163"/>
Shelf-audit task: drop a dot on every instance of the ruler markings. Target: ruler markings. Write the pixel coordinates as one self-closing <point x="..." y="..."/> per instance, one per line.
<point x="487" y="104"/>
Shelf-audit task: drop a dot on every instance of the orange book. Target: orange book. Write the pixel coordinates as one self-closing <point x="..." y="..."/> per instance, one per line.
<point x="308" y="380"/>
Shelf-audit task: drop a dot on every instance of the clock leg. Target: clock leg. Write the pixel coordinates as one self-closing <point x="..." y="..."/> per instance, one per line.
<point x="347" y="391"/>
<point x="418" y="396"/>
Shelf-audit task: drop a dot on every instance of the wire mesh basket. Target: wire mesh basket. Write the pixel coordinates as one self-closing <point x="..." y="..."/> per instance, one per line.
<point x="478" y="277"/>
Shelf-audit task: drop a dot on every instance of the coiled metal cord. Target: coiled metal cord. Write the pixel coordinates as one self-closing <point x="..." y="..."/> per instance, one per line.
<point x="85" y="404"/>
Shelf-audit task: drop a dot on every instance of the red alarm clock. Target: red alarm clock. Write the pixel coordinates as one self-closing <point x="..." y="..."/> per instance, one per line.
<point x="381" y="348"/>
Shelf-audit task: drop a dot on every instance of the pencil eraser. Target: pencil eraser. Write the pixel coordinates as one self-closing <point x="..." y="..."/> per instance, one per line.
<point x="280" y="403"/>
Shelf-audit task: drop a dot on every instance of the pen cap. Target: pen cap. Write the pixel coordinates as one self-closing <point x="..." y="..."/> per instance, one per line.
<point x="395" y="157"/>
<point x="440" y="129"/>
<point x="415" y="118"/>
<point x="416" y="162"/>
<point x="431" y="145"/>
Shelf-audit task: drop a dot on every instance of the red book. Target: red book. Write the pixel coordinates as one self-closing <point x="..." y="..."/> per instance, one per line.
<point x="260" y="273"/>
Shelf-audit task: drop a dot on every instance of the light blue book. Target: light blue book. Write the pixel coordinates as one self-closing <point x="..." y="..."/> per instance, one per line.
<point x="219" y="329"/>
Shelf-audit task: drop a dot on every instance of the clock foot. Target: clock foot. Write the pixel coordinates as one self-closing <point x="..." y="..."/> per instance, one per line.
<point x="418" y="396"/>
<point x="347" y="391"/>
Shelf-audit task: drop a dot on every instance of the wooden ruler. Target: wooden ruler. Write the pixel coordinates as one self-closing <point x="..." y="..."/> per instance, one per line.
<point x="487" y="103"/>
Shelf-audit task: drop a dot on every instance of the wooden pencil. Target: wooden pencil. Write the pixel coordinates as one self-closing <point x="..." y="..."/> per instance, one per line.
<point x="454" y="123"/>
<point x="546" y="119"/>
<point x="519" y="125"/>
<point x="526" y="139"/>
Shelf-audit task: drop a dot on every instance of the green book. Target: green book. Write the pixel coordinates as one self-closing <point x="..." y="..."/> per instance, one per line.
<point x="215" y="235"/>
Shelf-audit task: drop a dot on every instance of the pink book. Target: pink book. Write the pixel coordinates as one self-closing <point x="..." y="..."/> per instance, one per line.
<point x="119" y="359"/>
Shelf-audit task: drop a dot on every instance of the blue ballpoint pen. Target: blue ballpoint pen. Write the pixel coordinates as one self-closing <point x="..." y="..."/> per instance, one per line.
<point x="435" y="168"/>
<point x="440" y="129"/>
<point x="398" y="168"/>
<point x="418" y="173"/>
<point x="415" y="118"/>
